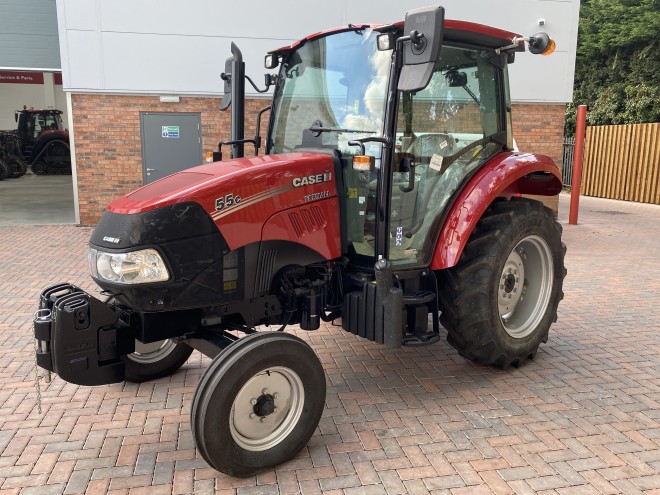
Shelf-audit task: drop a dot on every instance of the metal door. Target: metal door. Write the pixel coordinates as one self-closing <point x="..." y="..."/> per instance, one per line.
<point x="170" y="142"/>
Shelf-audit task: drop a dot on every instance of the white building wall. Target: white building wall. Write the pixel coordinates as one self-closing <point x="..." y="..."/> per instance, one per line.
<point x="174" y="47"/>
<point x="28" y="35"/>
<point x="14" y="96"/>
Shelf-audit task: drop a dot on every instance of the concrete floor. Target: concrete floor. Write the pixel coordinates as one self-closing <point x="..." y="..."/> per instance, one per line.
<point x="37" y="200"/>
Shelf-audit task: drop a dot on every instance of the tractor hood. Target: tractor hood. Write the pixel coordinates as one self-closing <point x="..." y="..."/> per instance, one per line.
<point x="241" y="194"/>
<point x="242" y="177"/>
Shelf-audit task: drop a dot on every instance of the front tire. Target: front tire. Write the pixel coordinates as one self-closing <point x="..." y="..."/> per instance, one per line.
<point x="258" y="404"/>
<point x="155" y="360"/>
<point x="499" y="301"/>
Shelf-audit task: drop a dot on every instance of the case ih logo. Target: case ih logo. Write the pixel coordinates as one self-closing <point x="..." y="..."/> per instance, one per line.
<point x="308" y="180"/>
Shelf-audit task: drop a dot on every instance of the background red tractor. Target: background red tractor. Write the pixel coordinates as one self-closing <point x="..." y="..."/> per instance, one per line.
<point x="388" y="197"/>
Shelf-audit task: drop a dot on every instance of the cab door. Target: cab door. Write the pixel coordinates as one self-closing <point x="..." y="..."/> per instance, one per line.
<point x="441" y="138"/>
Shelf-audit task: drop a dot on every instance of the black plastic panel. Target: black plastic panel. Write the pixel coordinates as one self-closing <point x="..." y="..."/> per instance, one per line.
<point x="81" y="338"/>
<point x="189" y="242"/>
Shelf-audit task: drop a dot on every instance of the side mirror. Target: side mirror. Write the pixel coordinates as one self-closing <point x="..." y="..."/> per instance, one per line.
<point x="421" y="47"/>
<point x="456" y="79"/>
<point x="226" y="77"/>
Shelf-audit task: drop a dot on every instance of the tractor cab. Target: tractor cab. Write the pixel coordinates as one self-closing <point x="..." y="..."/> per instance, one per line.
<point x="427" y="102"/>
<point x="338" y="93"/>
<point x="31" y="123"/>
<point x="43" y="141"/>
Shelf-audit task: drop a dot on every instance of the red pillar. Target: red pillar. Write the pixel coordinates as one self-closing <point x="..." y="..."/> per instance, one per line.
<point x="576" y="181"/>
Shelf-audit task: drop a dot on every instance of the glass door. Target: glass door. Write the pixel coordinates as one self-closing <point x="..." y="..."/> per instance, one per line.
<point x="442" y="135"/>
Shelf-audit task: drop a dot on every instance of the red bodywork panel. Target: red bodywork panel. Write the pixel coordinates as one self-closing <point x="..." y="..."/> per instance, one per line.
<point x="290" y="197"/>
<point x="498" y="34"/>
<point x="480" y="29"/>
<point x="50" y="132"/>
<point x="505" y="175"/>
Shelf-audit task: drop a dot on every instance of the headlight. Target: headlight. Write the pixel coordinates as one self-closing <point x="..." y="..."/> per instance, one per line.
<point x="136" y="267"/>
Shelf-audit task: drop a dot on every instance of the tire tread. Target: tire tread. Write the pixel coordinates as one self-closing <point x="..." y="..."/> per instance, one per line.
<point x="465" y="290"/>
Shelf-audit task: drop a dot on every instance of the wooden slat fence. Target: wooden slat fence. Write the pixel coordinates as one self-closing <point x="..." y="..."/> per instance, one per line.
<point x="623" y="162"/>
<point x="567" y="161"/>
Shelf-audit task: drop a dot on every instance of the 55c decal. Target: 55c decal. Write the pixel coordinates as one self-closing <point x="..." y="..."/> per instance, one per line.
<point x="226" y="202"/>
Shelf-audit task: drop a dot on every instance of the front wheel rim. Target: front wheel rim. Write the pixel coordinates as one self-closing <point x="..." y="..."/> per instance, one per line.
<point x="153" y="352"/>
<point x="525" y="286"/>
<point x="267" y="409"/>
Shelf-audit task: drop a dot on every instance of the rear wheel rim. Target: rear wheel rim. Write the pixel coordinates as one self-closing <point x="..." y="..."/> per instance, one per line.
<point x="525" y="286"/>
<point x="153" y="352"/>
<point x="267" y="409"/>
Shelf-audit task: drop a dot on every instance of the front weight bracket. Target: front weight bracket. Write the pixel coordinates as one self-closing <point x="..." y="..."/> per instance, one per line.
<point x="81" y="338"/>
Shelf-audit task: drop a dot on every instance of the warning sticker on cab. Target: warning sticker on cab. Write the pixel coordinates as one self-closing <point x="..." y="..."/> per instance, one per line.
<point x="436" y="162"/>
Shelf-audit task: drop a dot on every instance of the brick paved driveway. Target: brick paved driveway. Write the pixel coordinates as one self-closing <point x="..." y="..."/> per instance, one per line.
<point x="583" y="417"/>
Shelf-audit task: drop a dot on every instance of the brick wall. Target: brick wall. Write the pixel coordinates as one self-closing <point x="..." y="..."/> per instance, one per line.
<point x="108" y="145"/>
<point x="539" y="128"/>
<point x="109" y="149"/>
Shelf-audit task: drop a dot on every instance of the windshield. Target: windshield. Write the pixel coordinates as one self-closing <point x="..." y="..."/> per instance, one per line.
<point x="336" y="85"/>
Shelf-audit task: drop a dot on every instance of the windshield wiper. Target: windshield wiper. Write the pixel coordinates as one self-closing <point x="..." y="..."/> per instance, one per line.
<point x="320" y="129"/>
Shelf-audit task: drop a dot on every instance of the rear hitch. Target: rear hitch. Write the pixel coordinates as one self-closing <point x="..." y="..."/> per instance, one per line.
<point x="79" y="337"/>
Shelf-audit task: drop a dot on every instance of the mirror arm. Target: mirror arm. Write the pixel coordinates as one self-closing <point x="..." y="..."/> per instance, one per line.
<point x="515" y="43"/>
<point x="217" y="155"/>
<point x="416" y="37"/>
<point x="269" y="82"/>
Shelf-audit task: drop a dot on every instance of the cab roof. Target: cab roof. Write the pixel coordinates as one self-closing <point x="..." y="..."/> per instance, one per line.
<point x="460" y="31"/>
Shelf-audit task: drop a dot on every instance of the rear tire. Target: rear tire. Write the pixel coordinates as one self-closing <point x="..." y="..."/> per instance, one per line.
<point x="499" y="301"/>
<point x="155" y="360"/>
<point x="258" y="404"/>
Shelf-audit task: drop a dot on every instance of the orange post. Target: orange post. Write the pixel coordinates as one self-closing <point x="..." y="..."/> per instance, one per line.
<point x="576" y="181"/>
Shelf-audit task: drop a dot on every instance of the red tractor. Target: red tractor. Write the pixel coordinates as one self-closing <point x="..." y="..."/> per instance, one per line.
<point x="43" y="141"/>
<point x="389" y="196"/>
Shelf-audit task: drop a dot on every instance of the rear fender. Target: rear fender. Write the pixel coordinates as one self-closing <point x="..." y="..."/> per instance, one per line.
<point x="506" y="175"/>
<point x="44" y="146"/>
